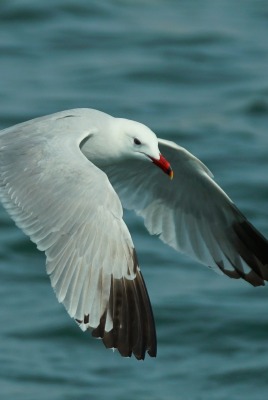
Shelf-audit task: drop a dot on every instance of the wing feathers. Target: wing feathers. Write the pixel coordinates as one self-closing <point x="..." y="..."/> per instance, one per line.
<point x="254" y="241"/>
<point x="133" y="324"/>
<point x="70" y="210"/>
<point x="253" y="248"/>
<point x="192" y="214"/>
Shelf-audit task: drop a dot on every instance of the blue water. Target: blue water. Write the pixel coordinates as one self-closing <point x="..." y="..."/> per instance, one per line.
<point x="197" y="73"/>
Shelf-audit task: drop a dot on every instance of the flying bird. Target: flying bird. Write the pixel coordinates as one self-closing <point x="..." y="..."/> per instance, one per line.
<point x="65" y="178"/>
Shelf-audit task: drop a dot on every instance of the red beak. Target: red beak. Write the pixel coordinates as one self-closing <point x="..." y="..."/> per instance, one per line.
<point x="164" y="165"/>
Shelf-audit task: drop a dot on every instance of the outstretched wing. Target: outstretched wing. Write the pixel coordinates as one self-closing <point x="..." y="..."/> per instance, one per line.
<point x="70" y="210"/>
<point x="192" y="214"/>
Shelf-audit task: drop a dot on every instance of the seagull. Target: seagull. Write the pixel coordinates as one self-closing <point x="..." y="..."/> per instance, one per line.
<point x="64" y="180"/>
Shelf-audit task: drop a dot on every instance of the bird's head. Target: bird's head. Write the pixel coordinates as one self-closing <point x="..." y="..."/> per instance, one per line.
<point x="138" y="141"/>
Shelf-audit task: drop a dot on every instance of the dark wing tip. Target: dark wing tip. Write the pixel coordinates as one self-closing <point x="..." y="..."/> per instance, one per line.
<point x="133" y="329"/>
<point x="252" y="247"/>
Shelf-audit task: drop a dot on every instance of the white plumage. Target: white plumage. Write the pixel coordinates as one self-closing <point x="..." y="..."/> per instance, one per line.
<point x="63" y="179"/>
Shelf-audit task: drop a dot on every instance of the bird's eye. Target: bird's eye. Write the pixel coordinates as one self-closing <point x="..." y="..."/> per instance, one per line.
<point x="136" y="141"/>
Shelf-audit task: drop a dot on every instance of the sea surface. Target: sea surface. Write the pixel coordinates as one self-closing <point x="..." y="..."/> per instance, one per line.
<point x="196" y="72"/>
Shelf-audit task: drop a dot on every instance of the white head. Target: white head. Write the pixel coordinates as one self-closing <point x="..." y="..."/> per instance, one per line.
<point x="124" y="139"/>
<point x="136" y="139"/>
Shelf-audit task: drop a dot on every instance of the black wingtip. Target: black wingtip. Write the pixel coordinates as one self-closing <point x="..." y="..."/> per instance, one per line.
<point x="252" y="247"/>
<point x="133" y="329"/>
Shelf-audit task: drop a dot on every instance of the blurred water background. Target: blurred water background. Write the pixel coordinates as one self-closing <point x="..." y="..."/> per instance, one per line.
<point x="196" y="72"/>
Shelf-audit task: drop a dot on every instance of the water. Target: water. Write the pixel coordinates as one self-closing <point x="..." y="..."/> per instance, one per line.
<point x="195" y="72"/>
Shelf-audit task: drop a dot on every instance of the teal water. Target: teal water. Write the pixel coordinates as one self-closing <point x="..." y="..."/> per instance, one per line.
<point x="195" y="72"/>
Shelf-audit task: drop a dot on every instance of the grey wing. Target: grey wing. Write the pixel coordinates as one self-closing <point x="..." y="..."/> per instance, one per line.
<point x="68" y="207"/>
<point x="192" y="214"/>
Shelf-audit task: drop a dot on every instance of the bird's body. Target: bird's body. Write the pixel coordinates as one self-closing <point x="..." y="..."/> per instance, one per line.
<point x="64" y="179"/>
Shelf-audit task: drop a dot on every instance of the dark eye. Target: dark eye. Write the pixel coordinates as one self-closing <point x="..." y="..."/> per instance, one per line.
<point x="136" y="141"/>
